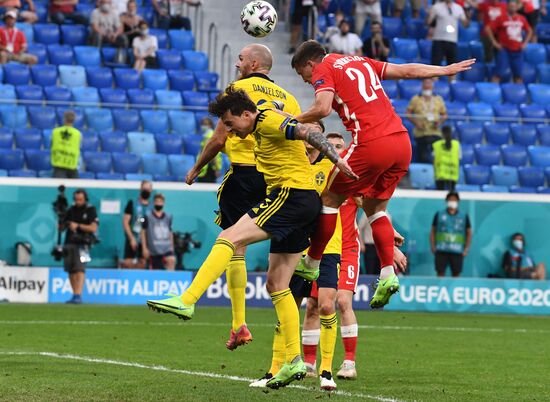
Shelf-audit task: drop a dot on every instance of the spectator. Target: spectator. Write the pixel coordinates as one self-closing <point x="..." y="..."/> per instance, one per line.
<point x="427" y="112"/>
<point x="13" y="43"/>
<point x="132" y="222"/>
<point x="446" y="16"/>
<point x="29" y="16"/>
<point x="65" y="148"/>
<point x="130" y="21"/>
<point x="370" y="257"/>
<point x="446" y="160"/>
<point x="376" y="47"/>
<point x="106" y="28"/>
<point x="489" y="11"/>
<point x="301" y="9"/>
<point x="506" y="35"/>
<point x="82" y="223"/>
<point x="366" y="9"/>
<point x="170" y="14"/>
<point x="212" y="170"/>
<point x="157" y="238"/>
<point x="532" y="10"/>
<point x="416" y="5"/>
<point x="120" y="6"/>
<point x="517" y="263"/>
<point x="346" y="42"/>
<point x="450" y="237"/>
<point x="145" y="48"/>
<point x="62" y="10"/>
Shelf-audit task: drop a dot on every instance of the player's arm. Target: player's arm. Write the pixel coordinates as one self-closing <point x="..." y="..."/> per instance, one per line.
<point x="320" y="109"/>
<point x="420" y="71"/>
<point x="214" y="145"/>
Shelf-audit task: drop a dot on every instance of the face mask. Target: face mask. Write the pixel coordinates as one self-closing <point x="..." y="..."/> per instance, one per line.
<point x="518" y="244"/>
<point x="452" y="204"/>
<point x="145" y="194"/>
<point x="144" y="32"/>
<point x="159" y="207"/>
<point x="426" y="92"/>
<point x="105" y="8"/>
<point x="205" y="128"/>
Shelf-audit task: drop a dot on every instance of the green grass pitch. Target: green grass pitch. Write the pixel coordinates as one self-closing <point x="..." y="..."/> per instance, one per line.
<point x="112" y="353"/>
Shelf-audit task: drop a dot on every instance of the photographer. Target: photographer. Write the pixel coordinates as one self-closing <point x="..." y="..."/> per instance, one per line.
<point x="157" y="238"/>
<point x="81" y="223"/>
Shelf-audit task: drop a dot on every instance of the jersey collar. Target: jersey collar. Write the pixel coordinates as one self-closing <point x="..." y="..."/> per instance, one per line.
<point x="319" y="158"/>
<point x="259" y="75"/>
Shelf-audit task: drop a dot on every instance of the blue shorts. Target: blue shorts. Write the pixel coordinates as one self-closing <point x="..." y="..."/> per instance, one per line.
<point x="506" y="59"/>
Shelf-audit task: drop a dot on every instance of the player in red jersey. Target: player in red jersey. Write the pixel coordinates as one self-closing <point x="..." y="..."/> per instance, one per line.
<point x="380" y="150"/>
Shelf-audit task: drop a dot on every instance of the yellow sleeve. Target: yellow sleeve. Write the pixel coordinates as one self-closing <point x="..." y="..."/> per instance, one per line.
<point x="272" y="124"/>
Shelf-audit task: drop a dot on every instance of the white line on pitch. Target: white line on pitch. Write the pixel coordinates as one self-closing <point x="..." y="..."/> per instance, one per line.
<point x="205" y="374"/>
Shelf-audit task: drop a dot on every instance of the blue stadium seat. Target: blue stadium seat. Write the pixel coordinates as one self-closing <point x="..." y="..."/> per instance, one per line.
<point x="467" y="188"/>
<point x="126" y="162"/>
<point x="409" y="88"/>
<point x="470" y="133"/>
<point x="180" y="165"/>
<point x="181" y="80"/>
<point x="543" y="32"/>
<point x="497" y="133"/>
<point x="90" y="141"/>
<point x="392" y="27"/>
<point x="126" y="120"/>
<point x="110" y="176"/>
<point x="456" y="111"/>
<point x="488" y="92"/>
<point x="7" y="92"/>
<point x="38" y="160"/>
<point x="72" y="76"/>
<point x="88" y="56"/>
<point x="532" y="113"/>
<point x="32" y="93"/>
<point x="487" y="155"/>
<point x="475" y="74"/>
<point x="477" y="174"/>
<point x="390" y="88"/>
<point x="507" y="112"/>
<point x="416" y="28"/>
<point x="46" y="33"/>
<point x="480" y="111"/>
<point x="547" y="174"/>
<point x="142" y="98"/>
<point x="79" y="115"/>
<point x="531" y="176"/>
<point x="504" y="175"/>
<point x="108" y="55"/>
<point x="476" y="49"/>
<point x="28" y="138"/>
<point x="523" y="134"/>
<point x="138" y="177"/>
<point x="535" y="53"/>
<point x="74" y="35"/>
<point x="467" y="154"/>
<point x="169" y="144"/>
<point x="543" y="131"/>
<point x="21" y="173"/>
<point x="14" y="116"/>
<point x="58" y="95"/>
<point x="86" y="96"/>
<point x="543" y="72"/>
<point x="40" y="51"/>
<point x="539" y="156"/>
<point x="540" y="93"/>
<point x="463" y="51"/>
<point x="206" y="81"/>
<point x="42" y="117"/>
<point x="467" y="34"/>
<point x="148" y="14"/>
<point x="11" y="159"/>
<point x="162" y="37"/>
<point x="425" y="49"/>
<point x="443" y="89"/>
<point x="194" y="61"/>
<point x="195" y="99"/>
<point x="463" y="91"/>
<point x="165" y="178"/>
<point x="182" y="122"/>
<point x="493" y="188"/>
<point x="141" y="143"/>
<point x="113" y="98"/>
<point x="514" y="155"/>
<point x="60" y="54"/>
<point x="6" y="138"/>
<point x="169" y="59"/>
<point x="113" y="141"/>
<point x="192" y="143"/>
<point x="44" y="75"/>
<point x="400" y="106"/>
<point x="181" y="39"/>
<point x="99" y="119"/>
<point x="421" y="175"/>
<point x="528" y="73"/>
<point x="27" y="30"/>
<point x="16" y="74"/>
<point x="154" y="121"/>
<point x="514" y="93"/>
<point x="522" y="189"/>
<point x="168" y="98"/>
<point x="126" y="78"/>
<point x="155" y="79"/>
<point x="406" y="49"/>
<point x="87" y="175"/>
<point x="543" y="190"/>
<point x="155" y="164"/>
<point x="99" y="77"/>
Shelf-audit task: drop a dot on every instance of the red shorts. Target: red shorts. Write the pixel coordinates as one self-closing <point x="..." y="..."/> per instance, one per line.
<point x="380" y="165"/>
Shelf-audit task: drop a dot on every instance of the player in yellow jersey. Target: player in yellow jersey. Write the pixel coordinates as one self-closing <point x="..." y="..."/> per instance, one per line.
<point x="243" y="186"/>
<point x="286" y="216"/>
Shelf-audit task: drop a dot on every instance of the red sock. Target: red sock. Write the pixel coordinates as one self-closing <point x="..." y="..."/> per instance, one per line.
<point x="319" y="240"/>
<point x="310" y="353"/>
<point x="383" y="236"/>
<point x="350" y="346"/>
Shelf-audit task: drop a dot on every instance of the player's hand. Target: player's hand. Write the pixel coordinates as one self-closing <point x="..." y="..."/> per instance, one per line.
<point x="346" y="169"/>
<point x="399" y="260"/>
<point x="191" y="176"/>
<point x="73" y="226"/>
<point x="146" y="253"/>
<point x="398" y="240"/>
<point x="465" y="252"/>
<point x="459" y="67"/>
<point x="133" y="244"/>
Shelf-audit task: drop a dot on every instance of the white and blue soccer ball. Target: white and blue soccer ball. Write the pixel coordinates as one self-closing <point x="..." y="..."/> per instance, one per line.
<point x="258" y="18"/>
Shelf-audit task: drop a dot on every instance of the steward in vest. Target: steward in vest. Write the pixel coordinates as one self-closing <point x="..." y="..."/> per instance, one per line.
<point x="65" y="148"/>
<point x="446" y="161"/>
<point x="157" y="238"/>
<point x="450" y="237"/>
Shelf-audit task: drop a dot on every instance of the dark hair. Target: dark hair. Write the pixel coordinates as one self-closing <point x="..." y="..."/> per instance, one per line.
<point x="142" y="23"/>
<point x="158" y="196"/>
<point x="452" y="194"/>
<point x="518" y="234"/>
<point x="81" y="191"/>
<point x="234" y="100"/>
<point x="309" y="50"/>
<point x="335" y="135"/>
<point x="375" y="23"/>
<point x="447" y="132"/>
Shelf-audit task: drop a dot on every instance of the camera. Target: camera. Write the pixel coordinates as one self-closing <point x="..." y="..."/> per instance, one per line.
<point x="183" y="243"/>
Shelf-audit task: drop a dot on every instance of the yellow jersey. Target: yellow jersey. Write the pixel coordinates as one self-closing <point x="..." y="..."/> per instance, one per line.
<point x="280" y="158"/>
<point x="321" y="170"/>
<point x="260" y="89"/>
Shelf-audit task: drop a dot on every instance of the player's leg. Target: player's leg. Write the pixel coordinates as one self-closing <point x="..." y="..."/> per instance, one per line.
<point x="311" y="331"/>
<point x="349" y="331"/>
<point x="329" y="332"/>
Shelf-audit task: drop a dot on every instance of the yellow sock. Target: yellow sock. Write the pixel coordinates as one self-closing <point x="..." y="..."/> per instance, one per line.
<point x="327" y="341"/>
<point x="278" y="358"/>
<point x="289" y="319"/>
<point x="236" y="286"/>
<point x="210" y="270"/>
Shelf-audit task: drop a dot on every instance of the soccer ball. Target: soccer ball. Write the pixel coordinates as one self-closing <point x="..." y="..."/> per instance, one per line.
<point x="258" y="18"/>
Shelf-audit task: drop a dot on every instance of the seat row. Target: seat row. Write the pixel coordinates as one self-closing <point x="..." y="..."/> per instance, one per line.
<point x="511" y="155"/>
<point x="503" y="133"/>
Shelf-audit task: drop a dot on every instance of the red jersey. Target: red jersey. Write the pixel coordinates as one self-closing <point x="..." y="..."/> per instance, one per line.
<point x="509" y="31"/>
<point x="12" y="40"/>
<point x="359" y="98"/>
<point x="490" y="12"/>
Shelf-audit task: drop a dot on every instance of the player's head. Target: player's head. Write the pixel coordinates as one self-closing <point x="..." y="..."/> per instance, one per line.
<point x="236" y="110"/>
<point x="307" y="56"/>
<point x="254" y="58"/>
<point x="513" y="6"/>
<point x="337" y="141"/>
